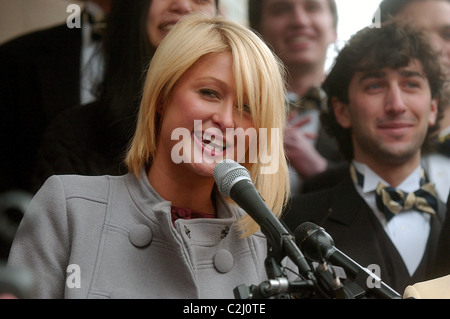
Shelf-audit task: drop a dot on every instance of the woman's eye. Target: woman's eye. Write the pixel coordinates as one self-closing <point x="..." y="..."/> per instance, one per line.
<point x="209" y="93"/>
<point x="245" y="108"/>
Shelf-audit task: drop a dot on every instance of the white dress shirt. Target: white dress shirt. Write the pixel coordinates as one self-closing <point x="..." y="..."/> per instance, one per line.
<point x="408" y="230"/>
<point x="311" y="127"/>
<point x="91" y="59"/>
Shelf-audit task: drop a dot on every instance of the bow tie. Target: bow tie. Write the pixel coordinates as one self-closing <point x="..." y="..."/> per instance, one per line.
<point x="391" y="201"/>
<point x="98" y="23"/>
<point x="315" y="98"/>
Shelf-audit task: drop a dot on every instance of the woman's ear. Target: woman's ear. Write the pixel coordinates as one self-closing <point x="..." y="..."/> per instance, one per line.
<point x="341" y="112"/>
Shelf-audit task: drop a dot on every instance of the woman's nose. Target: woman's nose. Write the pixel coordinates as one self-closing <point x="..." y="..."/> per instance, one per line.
<point x="223" y="117"/>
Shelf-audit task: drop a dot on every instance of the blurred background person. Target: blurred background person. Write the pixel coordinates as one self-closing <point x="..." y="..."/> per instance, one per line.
<point x="41" y="74"/>
<point x="300" y="32"/>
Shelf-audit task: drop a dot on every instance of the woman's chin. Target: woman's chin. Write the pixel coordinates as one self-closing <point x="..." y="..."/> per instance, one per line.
<point x="204" y="169"/>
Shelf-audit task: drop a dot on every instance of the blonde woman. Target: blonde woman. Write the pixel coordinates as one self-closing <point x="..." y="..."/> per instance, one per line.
<point x="163" y="230"/>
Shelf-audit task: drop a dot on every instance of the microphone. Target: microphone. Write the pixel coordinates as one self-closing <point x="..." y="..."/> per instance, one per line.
<point x="318" y="245"/>
<point x="233" y="180"/>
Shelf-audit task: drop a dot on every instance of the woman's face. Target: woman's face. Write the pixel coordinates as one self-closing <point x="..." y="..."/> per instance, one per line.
<point x="201" y="115"/>
<point x="163" y="14"/>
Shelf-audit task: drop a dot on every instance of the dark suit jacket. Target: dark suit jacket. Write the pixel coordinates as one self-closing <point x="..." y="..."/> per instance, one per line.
<point x="80" y="141"/>
<point x="39" y="77"/>
<point x="357" y="232"/>
<point x="442" y="267"/>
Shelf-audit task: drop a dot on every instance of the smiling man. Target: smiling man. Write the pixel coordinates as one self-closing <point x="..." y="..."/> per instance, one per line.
<point x="300" y="32"/>
<point x="433" y="17"/>
<point x="383" y="108"/>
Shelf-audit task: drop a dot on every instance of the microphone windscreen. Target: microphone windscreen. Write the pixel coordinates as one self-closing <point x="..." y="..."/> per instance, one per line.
<point x="303" y="231"/>
<point x="313" y="241"/>
<point x="227" y="173"/>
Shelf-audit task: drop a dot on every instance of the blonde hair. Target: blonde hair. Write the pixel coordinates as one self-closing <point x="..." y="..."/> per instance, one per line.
<point x="259" y="82"/>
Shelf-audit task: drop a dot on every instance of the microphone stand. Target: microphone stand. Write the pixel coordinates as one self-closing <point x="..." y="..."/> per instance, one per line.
<point x="320" y="283"/>
<point x="278" y="286"/>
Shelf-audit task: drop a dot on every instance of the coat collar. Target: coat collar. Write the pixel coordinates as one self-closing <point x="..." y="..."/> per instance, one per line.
<point x="145" y="196"/>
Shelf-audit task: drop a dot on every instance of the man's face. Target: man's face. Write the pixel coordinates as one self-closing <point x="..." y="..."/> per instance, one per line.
<point x="164" y="14"/>
<point x="299" y="31"/>
<point x="434" y="17"/>
<point x="389" y="112"/>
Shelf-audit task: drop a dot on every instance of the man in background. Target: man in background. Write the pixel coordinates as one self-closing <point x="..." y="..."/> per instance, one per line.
<point x="300" y="32"/>
<point x="42" y="73"/>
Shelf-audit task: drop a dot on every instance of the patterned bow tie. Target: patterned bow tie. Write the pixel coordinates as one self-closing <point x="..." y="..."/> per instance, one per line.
<point x="391" y="201"/>
<point x="315" y="98"/>
<point x="98" y="24"/>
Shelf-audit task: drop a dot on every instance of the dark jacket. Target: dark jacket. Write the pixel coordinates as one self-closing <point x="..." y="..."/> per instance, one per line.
<point x="348" y="219"/>
<point x="81" y="141"/>
<point x="442" y="263"/>
<point x="39" y="77"/>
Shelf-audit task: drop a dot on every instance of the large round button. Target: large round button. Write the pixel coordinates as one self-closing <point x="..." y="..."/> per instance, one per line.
<point x="223" y="261"/>
<point x="140" y="235"/>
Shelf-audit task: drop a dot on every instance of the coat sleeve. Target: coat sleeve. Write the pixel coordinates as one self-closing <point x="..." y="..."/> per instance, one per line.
<point x="42" y="241"/>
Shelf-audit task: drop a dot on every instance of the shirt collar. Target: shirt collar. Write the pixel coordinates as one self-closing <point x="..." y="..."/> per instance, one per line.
<point x="94" y="9"/>
<point x="371" y="179"/>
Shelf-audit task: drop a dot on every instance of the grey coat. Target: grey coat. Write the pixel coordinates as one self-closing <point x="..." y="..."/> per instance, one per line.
<point x="112" y="237"/>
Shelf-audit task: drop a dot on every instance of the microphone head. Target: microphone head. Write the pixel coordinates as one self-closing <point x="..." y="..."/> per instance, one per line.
<point x="313" y="241"/>
<point x="227" y="173"/>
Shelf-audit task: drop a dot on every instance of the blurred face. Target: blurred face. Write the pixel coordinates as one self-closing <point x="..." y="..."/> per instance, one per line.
<point x="299" y="31"/>
<point x="163" y="14"/>
<point x="104" y="4"/>
<point x="389" y="113"/>
<point x="433" y="16"/>
<point x="201" y="109"/>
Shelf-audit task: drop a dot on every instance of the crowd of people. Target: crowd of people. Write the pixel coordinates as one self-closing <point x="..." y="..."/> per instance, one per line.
<point x="115" y="132"/>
